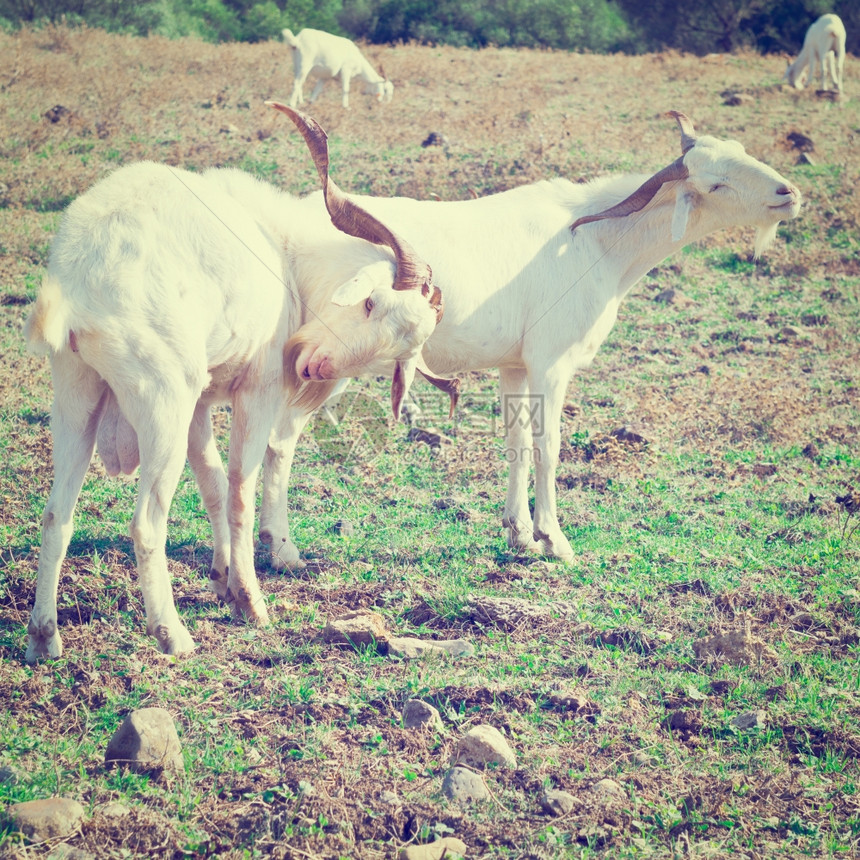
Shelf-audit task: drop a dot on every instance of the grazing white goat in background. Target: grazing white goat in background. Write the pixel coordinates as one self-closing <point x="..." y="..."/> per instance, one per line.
<point x="169" y="291"/>
<point x="533" y="278"/>
<point x="323" y="56"/>
<point x="823" y="48"/>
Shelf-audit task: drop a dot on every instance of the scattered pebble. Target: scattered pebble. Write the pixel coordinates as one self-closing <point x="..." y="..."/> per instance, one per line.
<point x="419" y="715"/>
<point x="146" y="742"/>
<point x="750" y="720"/>
<point x="409" y="648"/>
<point x="554" y="801"/>
<point x="359" y="628"/>
<point x="448" y="847"/>
<point x="463" y="786"/>
<point x="51" y="818"/>
<point x="484" y="745"/>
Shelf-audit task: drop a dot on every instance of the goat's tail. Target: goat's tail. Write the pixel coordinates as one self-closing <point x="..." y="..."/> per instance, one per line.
<point x="47" y="328"/>
<point x="289" y="38"/>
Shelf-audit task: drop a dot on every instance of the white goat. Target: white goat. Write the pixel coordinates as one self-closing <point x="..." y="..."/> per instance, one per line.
<point x="168" y="291"/>
<point x="824" y="48"/>
<point x="534" y="296"/>
<point x="323" y="56"/>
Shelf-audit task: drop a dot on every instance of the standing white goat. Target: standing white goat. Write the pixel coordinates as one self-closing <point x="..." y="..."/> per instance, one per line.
<point x="168" y="291"/>
<point x="824" y="48"/>
<point x="323" y="56"/>
<point x="533" y="279"/>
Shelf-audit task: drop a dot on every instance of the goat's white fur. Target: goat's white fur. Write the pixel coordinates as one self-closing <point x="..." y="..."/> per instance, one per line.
<point x="167" y="292"/>
<point x="525" y="295"/>
<point x="823" y="49"/>
<point x="323" y="56"/>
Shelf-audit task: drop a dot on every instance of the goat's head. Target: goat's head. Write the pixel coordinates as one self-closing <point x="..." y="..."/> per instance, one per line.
<point x="718" y="185"/>
<point x="383" y="89"/>
<point x="383" y="314"/>
<point x="795" y="74"/>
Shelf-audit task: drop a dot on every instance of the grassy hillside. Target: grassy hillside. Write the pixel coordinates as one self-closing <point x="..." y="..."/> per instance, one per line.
<point x="729" y="506"/>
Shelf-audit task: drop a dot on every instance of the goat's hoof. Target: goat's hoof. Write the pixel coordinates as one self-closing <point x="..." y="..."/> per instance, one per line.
<point x="41" y="647"/>
<point x="284" y="554"/>
<point x="558" y="548"/>
<point x="45" y="643"/>
<point x="250" y="610"/>
<point x="173" y="640"/>
<point x="218" y="582"/>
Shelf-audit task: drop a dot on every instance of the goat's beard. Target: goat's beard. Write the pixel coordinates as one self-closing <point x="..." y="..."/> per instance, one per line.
<point x="764" y="238"/>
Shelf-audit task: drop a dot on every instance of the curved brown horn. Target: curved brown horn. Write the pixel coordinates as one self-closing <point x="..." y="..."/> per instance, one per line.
<point x="641" y="197"/>
<point x="688" y="133"/>
<point x="412" y="272"/>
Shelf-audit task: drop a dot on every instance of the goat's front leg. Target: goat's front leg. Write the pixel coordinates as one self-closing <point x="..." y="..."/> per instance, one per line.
<point x="212" y="481"/>
<point x="277" y="466"/>
<point x="162" y="439"/>
<point x="546" y="430"/>
<point x="78" y="399"/>
<point x="344" y="85"/>
<point x="516" y="419"/>
<point x="253" y="417"/>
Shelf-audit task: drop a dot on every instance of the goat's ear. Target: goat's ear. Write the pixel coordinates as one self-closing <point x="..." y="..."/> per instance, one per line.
<point x="684" y="204"/>
<point x="363" y="284"/>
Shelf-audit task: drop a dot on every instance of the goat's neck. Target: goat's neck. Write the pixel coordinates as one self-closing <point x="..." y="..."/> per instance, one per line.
<point x="639" y="242"/>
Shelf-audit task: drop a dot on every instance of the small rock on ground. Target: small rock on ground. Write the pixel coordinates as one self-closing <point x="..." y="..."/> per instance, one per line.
<point x="146" y="742"/>
<point x="557" y="802"/>
<point x="462" y="786"/>
<point x="358" y="628"/>
<point x="51" y="818"/>
<point x="419" y="715"/>
<point x="609" y="788"/>
<point x="409" y="648"/>
<point x="448" y="847"/>
<point x="750" y="720"/>
<point x="484" y="745"/>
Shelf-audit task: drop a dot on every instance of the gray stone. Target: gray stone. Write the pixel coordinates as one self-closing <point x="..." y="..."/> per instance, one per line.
<point x="554" y="801"/>
<point x="113" y="809"/>
<point x="484" y="745"/>
<point x="344" y="528"/>
<point x="51" y="818"/>
<point x="8" y="775"/>
<point x="750" y="720"/>
<point x="609" y="787"/>
<point x="462" y="786"/>
<point x="358" y="628"/>
<point x="409" y="648"/>
<point x="419" y="715"/>
<point x="146" y="742"/>
<point x="448" y="847"/>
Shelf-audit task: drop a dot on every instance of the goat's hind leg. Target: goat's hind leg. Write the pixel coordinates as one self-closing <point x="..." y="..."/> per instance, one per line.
<point x="78" y="400"/>
<point x="162" y="445"/>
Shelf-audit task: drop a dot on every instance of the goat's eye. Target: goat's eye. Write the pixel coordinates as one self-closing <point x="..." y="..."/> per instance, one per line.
<point x="368" y="306"/>
<point x="716" y="186"/>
